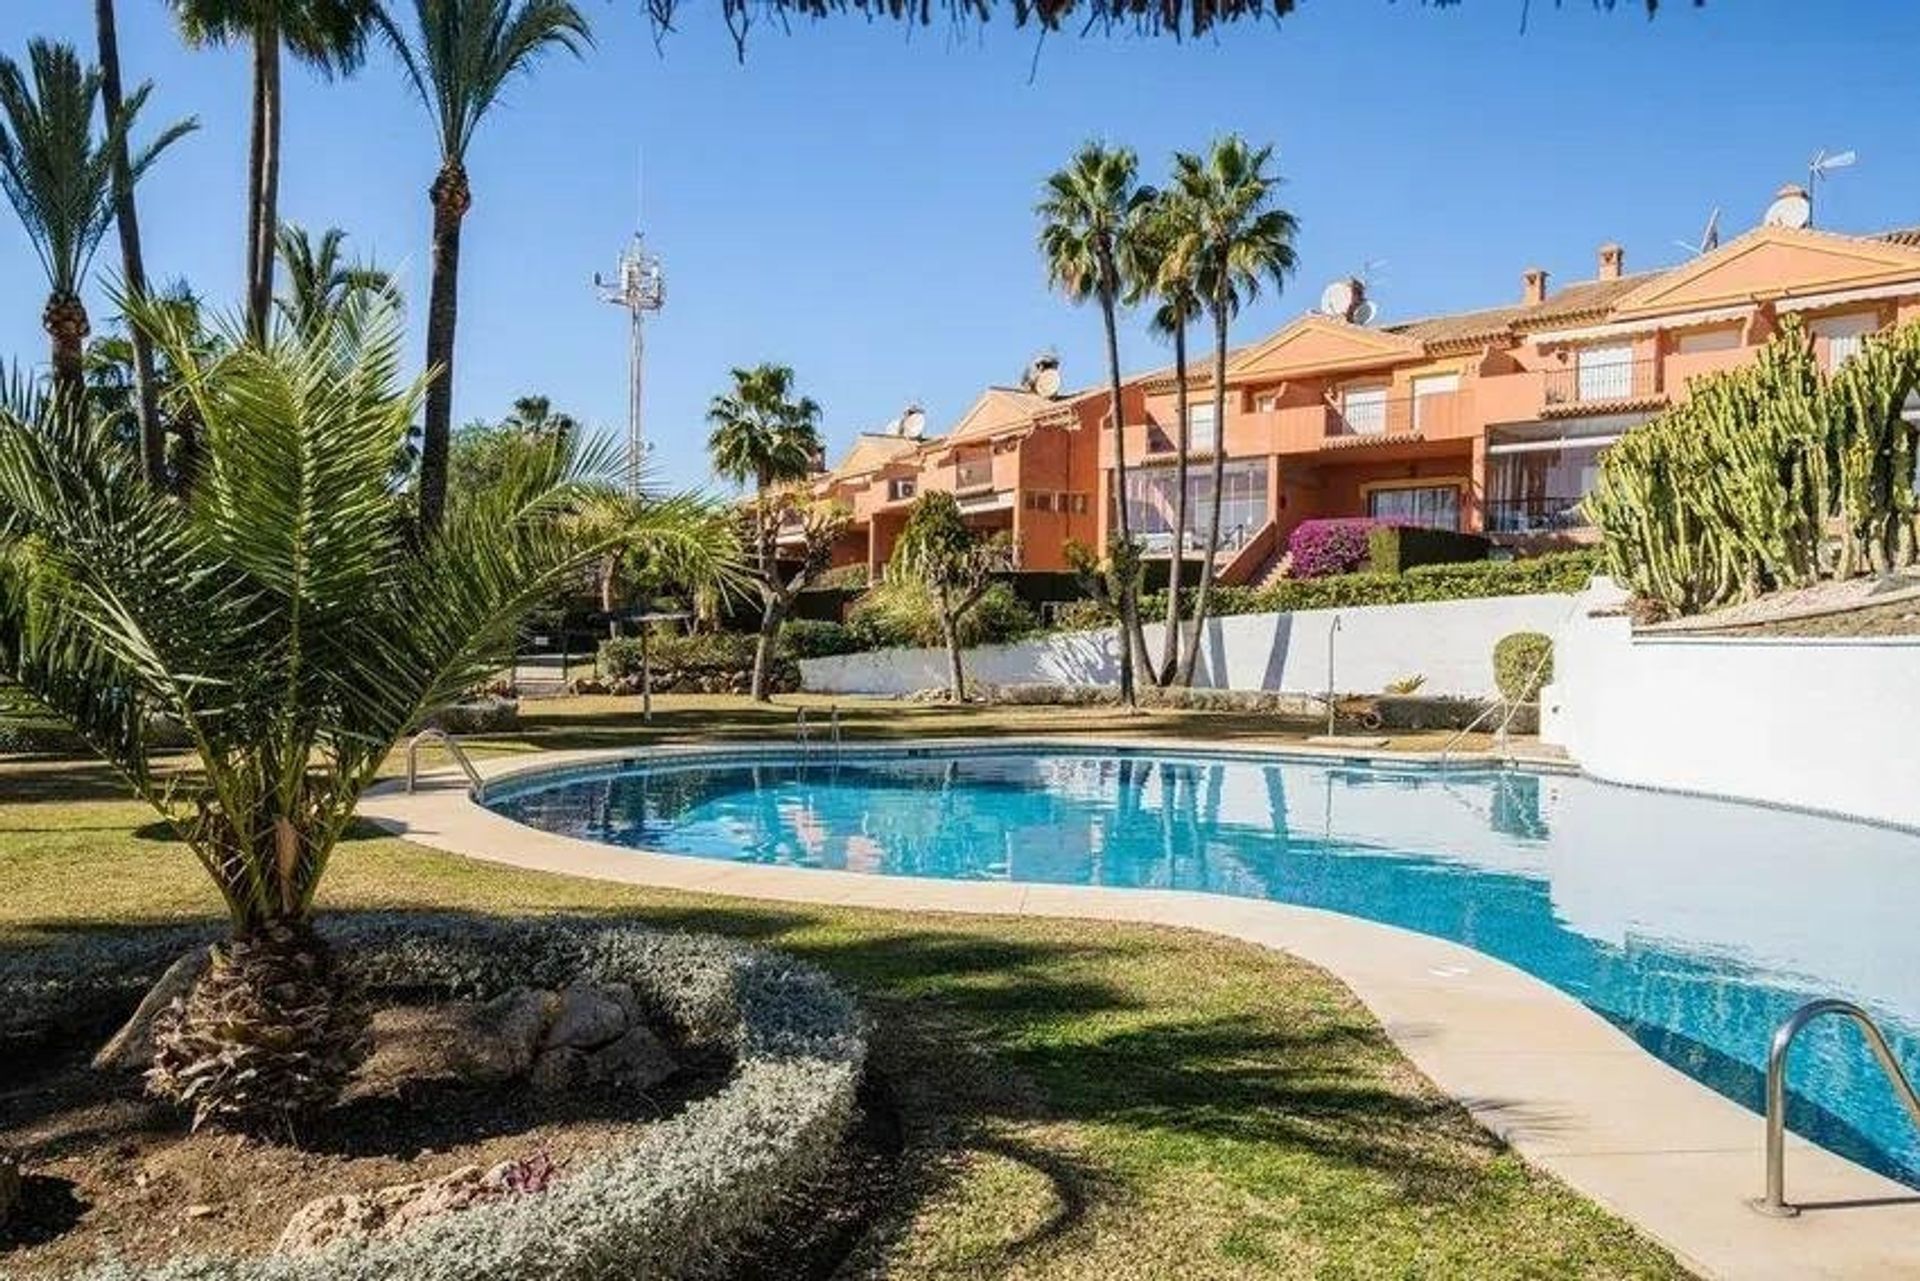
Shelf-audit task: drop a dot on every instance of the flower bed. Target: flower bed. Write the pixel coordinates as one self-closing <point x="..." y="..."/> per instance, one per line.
<point x="669" y="1202"/>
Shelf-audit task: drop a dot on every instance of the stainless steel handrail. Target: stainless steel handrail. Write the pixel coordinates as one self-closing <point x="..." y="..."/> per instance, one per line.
<point x="802" y="732"/>
<point x="435" y="733"/>
<point x="1775" y="1202"/>
<point x="833" y="732"/>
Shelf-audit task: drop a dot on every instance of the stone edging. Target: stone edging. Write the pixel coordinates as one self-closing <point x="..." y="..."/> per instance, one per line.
<point x="1570" y="1092"/>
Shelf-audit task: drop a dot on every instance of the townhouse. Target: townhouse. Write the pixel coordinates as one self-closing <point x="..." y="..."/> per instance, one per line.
<point x="1493" y="420"/>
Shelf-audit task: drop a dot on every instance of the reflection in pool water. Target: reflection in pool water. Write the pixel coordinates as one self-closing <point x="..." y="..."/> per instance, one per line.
<point x="1694" y="925"/>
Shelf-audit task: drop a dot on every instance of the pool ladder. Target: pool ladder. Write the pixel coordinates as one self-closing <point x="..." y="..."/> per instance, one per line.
<point x="1775" y="1201"/>
<point x="435" y="734"/>
<point x="803" y="729"/>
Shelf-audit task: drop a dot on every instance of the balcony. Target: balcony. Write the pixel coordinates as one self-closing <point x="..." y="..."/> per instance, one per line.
<point x="1589" y="385"/>
<point x="1437" y="414"/>
<point x="1534" y="515"/>
<point x="972" y="474"/>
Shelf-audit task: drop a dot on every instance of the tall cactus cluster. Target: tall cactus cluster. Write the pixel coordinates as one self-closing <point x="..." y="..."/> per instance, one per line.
<point x="1770" y="476"/>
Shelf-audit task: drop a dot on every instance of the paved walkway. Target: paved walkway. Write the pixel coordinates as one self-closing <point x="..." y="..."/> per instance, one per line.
<point x="1566" y="1089"/>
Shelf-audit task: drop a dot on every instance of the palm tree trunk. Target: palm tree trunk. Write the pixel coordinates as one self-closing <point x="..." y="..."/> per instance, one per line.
<point x="65" y="319"/>
<point x="1170" y="646"/>
<point x="1132" y="639"/>
<point x="771" y="616"/>
<point x="451" y="200"/>
<point x="1192" y="657"/>
<point x="263" y="199"/>
<point x="153" y="455"/>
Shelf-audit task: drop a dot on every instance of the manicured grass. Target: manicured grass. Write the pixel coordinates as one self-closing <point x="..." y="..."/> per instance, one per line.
<point x="1082" y="1100"/>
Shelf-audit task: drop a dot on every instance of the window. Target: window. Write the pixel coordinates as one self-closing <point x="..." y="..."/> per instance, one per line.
<point x="1202" y="430"/>
<point x="1266" y="402"/>
<point x="1605" y="373"/>
<point x="1365" y="409"/>
<point x="1431" y="506"/>
<point x="1536" y="486"/>
<point x="1844" y="335"/>
<point x="901" y="487"/>
<point x="1151" y="500"/>
<point x="1427" y="412"/>
<point x="1702" y="340"/>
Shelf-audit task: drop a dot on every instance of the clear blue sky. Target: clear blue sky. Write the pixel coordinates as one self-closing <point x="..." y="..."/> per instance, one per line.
<point x="856" y="200"/>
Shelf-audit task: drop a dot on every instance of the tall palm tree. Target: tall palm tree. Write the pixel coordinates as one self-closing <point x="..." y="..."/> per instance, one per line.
<point x="763" y="436"/>
<point x="536" y="416"/>
<point x="460" y="54"/>
<point x="328" y="35"/>
<point x="1089" y="211"/>
<point x="286" y="619"/>
<point x="60" y="177"/>
<point x="320" y="282"/>
<point x="112" y="381"/>
<point x="133" y="266"/>
<point x="1156" y="270"/>
<point x="1236" y="239"/>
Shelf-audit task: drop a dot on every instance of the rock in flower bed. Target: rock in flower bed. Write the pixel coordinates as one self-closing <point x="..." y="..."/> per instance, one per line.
<point x="666" y="1200"/>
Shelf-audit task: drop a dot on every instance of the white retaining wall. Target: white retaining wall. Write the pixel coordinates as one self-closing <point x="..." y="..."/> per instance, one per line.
<point x="1448" y="642"/>
<point x="1823" y="724"/>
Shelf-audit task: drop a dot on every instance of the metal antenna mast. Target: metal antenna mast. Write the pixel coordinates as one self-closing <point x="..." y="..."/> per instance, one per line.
<point x="639" y="286"/>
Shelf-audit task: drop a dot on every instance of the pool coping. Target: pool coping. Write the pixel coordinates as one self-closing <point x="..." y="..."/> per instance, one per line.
<point x="1570" y="1092"/>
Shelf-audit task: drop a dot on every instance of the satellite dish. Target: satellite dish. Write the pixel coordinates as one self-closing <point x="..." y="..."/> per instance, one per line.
<point x="913" y="423"/>
<point x="1364" y="313"/>
<point x="1046" y="380"/>
<point x="1338" y="298"/>
<point x="1790" y="208"/>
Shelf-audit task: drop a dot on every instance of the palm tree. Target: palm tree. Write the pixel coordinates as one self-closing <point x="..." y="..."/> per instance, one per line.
<point x="460" y="54"/>
<point x="328" y="35"/>
<point x="113" y="383"/>
<point x="1155" y="269"/>
<point x="284" y="617"/>
<point x="1091" y="209"/>
<point x="319" y="280"/>
<point x="1235" y="239"/>
<point x="60" y="178"/>
<point x="133" y="267"/>
<point x="764" y="436"/>
<point x="536" y="416"/>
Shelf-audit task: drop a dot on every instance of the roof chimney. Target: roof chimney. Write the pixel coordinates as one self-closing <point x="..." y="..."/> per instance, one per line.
<point x="1535" y="281"/>
<point x="1612" y="260"/>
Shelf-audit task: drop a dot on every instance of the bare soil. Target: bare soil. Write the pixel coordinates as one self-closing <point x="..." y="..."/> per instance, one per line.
<point x="111" y="1171"/>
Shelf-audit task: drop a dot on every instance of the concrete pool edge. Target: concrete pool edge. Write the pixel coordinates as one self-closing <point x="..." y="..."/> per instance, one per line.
<point x="1570" y="1093"/>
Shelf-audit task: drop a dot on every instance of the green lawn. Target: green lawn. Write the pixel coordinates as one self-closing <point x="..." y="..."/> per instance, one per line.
<point x="1082" y="1100"/>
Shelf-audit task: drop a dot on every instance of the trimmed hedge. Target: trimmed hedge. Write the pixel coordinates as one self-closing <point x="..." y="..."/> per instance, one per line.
<point x="1395" y="549"/>
<point x="1559" y="573"/>
<point x="813" y="638"/>
<point x="1522" y="665"/>
<point x="673" y="1201"/>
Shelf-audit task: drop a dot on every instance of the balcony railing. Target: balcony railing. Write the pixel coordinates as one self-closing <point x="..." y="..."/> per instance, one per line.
<point x="1432" y="414"/>
<point x="974" y="473"/>
<point x="1534" y="515"/>
<point x="1594" y="384"/>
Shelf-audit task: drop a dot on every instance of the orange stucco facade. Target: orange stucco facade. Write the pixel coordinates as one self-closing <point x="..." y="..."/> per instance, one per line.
<point x="1489" y="421"/>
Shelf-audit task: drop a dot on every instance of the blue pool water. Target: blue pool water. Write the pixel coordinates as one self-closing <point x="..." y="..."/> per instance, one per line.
<point x="1694" y="925"/>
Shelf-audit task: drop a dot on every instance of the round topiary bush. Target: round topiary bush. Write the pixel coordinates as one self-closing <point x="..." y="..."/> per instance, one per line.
<point x="1522" y="665"/>
<point x="667" y="1203"/>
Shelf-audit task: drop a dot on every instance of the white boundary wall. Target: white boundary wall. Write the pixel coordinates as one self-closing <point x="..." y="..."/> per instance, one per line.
<point x="1828" y="724"/>
<point x="1450" y="643"/>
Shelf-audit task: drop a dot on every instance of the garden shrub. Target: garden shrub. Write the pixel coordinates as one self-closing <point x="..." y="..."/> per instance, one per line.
<point x="667" y="1204"/>
<point x="897" y="614"/>
<point x="1394" y="549"/>
<point x="1515" y="660"/>
<point x="709" y="662"/>
<point x="1085" y="615"/>
<point x="1556" y="573"/>
<point x="816" y="638"/>
<point x="1320" y="548"/>
<point x="485" y="715"/>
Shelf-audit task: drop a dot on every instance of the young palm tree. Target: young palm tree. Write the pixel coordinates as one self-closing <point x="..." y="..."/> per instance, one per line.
<point x="59" y="177"/>
<point x="1156" y="270"/>
<point x="460" y="54"/>
<point x="1235" y="239"/>
<point x="328" y="35"/>
<point x="764" y="436"/>
<point x="320" y="282"/>
<point x="284" y="618"/>
<point x="133" y="267"/>
<point x="1090" y="211"/>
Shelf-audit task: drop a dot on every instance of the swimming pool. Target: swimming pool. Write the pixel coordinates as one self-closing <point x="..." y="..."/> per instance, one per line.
<point x="1694" y="925"/>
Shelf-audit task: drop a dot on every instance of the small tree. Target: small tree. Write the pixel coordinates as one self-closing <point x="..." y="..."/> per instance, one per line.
<point x="785" y="515"/>
<point x="1111" y="581"/>
<point x="954" y="563"/>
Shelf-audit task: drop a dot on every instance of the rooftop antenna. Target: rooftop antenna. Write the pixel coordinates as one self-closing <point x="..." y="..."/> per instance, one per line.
<point x="1821" y="166"/>
<point x="640" y="286"/>
<point x="1709" y="236"/>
